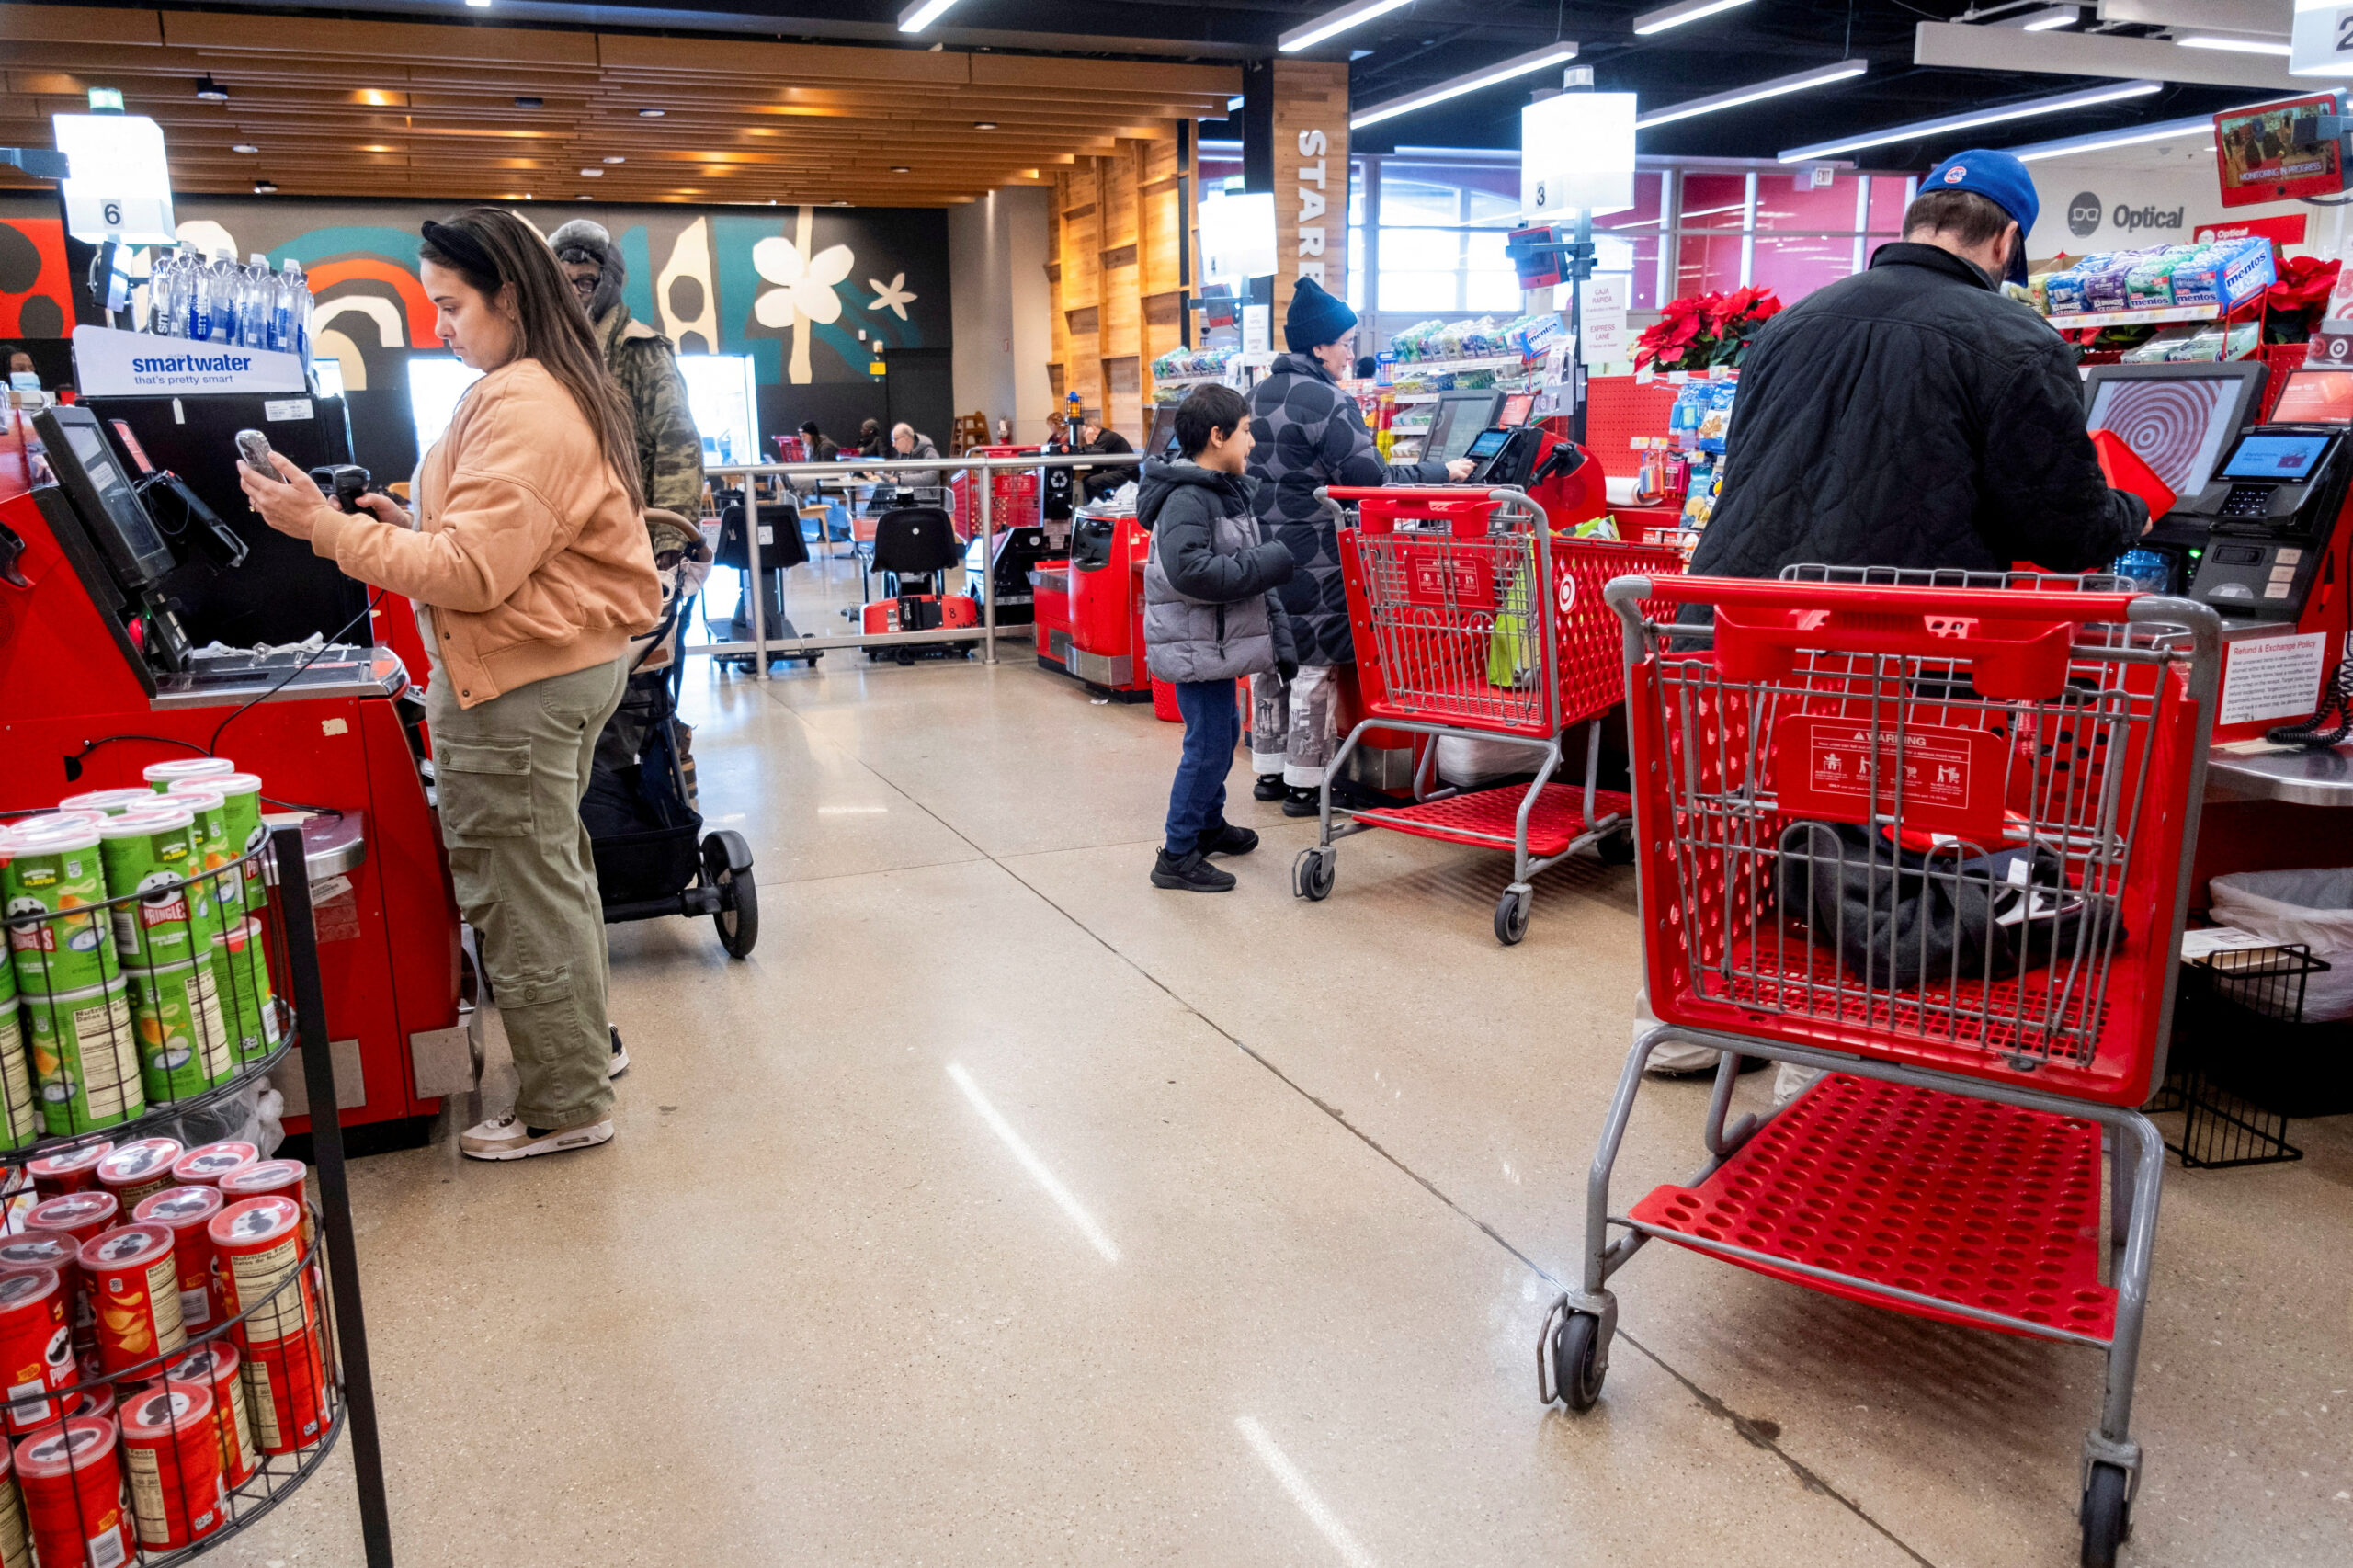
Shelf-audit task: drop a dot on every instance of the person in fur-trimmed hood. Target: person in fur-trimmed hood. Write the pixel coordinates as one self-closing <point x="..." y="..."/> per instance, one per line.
<point x="669" y="450"/>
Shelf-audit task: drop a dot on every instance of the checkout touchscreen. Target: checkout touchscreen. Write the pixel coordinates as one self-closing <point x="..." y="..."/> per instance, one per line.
<point x="2317" y="397"/>
<point x="2289" y="458"/>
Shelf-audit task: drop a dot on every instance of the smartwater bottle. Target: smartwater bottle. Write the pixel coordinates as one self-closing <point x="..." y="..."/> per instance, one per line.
<point x="253" y="303"/>
<point x="289" y="316"/>
<point x="163" y="280"/>
<point x="222" y="278"/>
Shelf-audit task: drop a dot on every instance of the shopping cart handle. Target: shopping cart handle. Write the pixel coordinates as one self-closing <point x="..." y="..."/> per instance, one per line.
<point x="1417" y="493"/>
<point x="2018" y="644"/>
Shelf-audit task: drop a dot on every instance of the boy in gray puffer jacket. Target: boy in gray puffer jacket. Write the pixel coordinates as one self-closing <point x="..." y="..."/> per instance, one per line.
<point x="1208" y="618"/>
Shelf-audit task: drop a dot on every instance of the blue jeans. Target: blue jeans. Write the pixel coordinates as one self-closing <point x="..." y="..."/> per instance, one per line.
<point x="1213" y="729"/>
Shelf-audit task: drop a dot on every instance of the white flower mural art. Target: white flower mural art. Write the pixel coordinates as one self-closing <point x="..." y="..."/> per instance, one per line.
<point x="894" y="295"/>
<point x="804" y="288"/>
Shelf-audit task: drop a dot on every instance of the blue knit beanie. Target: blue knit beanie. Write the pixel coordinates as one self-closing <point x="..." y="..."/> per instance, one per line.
<point x="1315" y="318"/>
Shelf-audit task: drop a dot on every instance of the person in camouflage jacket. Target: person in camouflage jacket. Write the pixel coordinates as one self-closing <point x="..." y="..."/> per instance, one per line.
<point x="669" y="450"/>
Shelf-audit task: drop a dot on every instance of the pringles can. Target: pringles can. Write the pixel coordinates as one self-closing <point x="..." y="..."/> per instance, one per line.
<point x="205" y="1166"/>
<point x="162" y="776"/>
<point x="84" y="1058"/>
<point x="36" y="1347"/>
<point x="184" y="1042"/>
<point x="76" y="1219"/>
<point x="171" y="1452"/>
<point x="217" y="1366"/>
<point x="18" y="1109"/>
<point x="74" y="1494"/>
<point x="258" y="1245"/>
<point x="108" y="802"/>
<point x="69" y="1170"/>
<point x="271" y="1179"/>
<point x="135" y="1287"/>
<point x="210" y="841"/>
<point x="186" y="1212"/>
<point x="55" y="883"/>
<point x="241" y="974"/>
<point x="137" y="1170"/>
<point x="148" y="860"/>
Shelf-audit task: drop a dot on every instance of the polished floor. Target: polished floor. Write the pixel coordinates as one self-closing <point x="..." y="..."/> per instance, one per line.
<point x="1001" y="1209"/>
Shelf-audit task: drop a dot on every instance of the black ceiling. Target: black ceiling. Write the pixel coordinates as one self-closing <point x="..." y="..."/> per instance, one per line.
<point x="1431" y="40"/>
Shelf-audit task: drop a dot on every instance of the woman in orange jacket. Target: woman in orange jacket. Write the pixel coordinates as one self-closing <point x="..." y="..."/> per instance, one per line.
<point x="528" y="558"/>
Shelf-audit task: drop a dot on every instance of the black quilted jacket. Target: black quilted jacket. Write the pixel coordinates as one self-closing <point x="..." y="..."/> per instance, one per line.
<point x="1912" y="416"/>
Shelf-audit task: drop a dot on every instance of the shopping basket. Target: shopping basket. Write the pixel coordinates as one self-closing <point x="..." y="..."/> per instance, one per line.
<point x="1453" y="638"/>
<point x="2034" y="758"/>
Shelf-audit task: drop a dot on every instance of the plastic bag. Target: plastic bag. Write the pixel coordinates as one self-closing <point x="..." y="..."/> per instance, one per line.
<point x="1470" y="761"/>
<point x="2314" y="908"/>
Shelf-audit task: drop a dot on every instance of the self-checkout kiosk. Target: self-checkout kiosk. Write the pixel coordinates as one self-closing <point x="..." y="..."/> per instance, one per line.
<point x="109" y="610"/>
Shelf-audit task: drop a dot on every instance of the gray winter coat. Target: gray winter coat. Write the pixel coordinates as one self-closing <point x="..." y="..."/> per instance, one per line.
<point x="1208" y="610"/>
<point x="1308" y="432"/>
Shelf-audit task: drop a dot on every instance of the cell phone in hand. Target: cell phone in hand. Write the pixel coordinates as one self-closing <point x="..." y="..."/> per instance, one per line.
<point x="254" y="446"/>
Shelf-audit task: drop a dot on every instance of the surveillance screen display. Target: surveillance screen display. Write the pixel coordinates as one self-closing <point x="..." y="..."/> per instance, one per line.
<point x="2317" y="397"/>
<point x="2176" y="425"/>
<point x="2287" y="457"/>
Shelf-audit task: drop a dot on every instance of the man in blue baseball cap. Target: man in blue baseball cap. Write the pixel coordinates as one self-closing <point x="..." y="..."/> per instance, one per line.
<point x="1914" y="416"/>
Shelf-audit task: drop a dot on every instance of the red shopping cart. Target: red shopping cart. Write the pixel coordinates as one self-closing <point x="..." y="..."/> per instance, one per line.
<point x="1934" y="842"/>
<point x="1453" y="637"/>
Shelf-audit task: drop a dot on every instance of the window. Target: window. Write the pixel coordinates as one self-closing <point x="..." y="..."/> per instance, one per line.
<point x="1441" y="236"/>
<point x="1780" y="229"/>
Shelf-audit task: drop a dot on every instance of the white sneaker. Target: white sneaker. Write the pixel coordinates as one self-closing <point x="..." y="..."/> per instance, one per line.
<point x="504" y="1137"/>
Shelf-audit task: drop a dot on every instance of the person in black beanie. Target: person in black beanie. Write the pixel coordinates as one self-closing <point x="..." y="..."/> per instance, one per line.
<point x="1307" y="433"/>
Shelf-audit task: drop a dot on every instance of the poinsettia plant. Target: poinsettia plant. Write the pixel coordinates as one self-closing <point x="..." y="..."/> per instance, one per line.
<point x="2293" y="306"/>
<point x="1700" y="330"/>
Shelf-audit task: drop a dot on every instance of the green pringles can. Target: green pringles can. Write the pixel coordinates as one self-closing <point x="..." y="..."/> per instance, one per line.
<point x="55" y="882"/>
<point x="84" y="1058"/>
<point x="113" y="802"/>
<point x="17" y="1108"/>
<point x="151" y="854"/>
<point x="185" y="1047"/>
<point x="241" y="971"/>
<point x="162" y="776"/>
<point x="226" y="878"/>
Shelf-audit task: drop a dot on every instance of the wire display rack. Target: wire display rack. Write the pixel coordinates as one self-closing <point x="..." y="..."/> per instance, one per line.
<point x="2250" y="998"/>
<point x="157" y="1458"/>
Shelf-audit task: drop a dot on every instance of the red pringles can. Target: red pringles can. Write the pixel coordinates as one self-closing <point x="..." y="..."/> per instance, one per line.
<point x="75" y="1170"/>
<point x="80" y="1215"/>
<point x="36" y="1345"/>
<point x="74" y="1494"/>
<point x="172" y="1453"/>
<point x="271" y="1179"/>
<point x="135" y="1290"/>
<point x="138" y="1168"/>
<point x="186" y="1210"/>
<point x="257" y="1249"/>
<point x="219" y="1368"/>
<point x="204" y="1166"/>
<point x="96" y="1399"/>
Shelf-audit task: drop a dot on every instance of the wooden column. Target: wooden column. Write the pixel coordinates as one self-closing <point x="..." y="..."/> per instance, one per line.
<point x="1120" y="221"/>
<point x="1311" y="179"/>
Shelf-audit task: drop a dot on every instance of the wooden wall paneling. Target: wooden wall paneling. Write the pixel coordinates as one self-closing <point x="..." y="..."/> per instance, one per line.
<point x="1058" y="194"/>
<point x="1311" y="179"/>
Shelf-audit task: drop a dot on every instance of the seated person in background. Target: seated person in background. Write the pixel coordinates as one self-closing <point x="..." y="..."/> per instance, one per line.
<point x="908" y="442"/>
<point x="1095" y="436"/>
<point x="870" y="439"/>
<point x="821" y="450"/>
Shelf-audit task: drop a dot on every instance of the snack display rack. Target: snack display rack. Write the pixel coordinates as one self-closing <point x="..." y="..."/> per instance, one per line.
<point x="299" y="1338"/>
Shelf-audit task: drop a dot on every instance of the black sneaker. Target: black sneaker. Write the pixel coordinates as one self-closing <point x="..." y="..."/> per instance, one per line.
<point x="620" y="1055"/>
<point x="1269" y="788"/>
<point x="1228" y="840"/>
<point x="1190" y="873"/>
<point x="1303" y="801"/>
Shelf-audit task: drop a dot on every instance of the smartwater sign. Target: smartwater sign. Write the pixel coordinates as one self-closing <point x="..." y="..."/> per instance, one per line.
<point x="107" y="363"/>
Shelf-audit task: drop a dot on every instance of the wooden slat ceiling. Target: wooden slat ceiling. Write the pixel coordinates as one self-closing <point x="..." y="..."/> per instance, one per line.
<point x="354" y="107"/>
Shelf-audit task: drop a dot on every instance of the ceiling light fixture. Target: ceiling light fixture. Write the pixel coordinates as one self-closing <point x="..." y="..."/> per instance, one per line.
<point x="1668" y="17"/>
<point x="1504" y="70"/>
<point x="2235" y="45"/>
<point x="922" y="13"/>
<point x="984" y="125"/>
<point x="2042" y="21"/>
<point x="2058" y="103"/>
<point x="617" y="159"/>
<point x="479" y="4"/>
<point x="212" y="92"/>
<point x="651" y="113"/>
<point x="900" y="169"/>
<point x="265" y="187"/>
<point x="1333" y="23"/>
<point x="2199" y="126"/>
<point x="1233" y="105"/>
<point x="1796" y="82"/>
<point x="592" y="174"/>
<point x="245" y="147"/>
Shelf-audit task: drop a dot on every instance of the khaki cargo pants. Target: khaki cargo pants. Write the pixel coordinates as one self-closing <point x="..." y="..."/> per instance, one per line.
<point x="509" y="774"/>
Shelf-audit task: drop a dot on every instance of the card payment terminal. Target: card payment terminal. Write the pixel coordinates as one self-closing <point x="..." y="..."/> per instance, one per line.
<point x="2268" y="508"/>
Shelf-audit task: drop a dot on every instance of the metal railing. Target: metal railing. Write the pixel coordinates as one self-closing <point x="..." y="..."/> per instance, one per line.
<point x="762" y="647"/>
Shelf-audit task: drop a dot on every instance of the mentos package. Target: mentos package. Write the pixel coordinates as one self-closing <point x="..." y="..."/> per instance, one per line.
<point x="2149" y="285"/>
<point x="2105" y="290"/>
<point x="2227" y="272"/>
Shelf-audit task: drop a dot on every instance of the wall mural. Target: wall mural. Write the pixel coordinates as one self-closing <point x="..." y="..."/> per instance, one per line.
<point x="779" y="284"/>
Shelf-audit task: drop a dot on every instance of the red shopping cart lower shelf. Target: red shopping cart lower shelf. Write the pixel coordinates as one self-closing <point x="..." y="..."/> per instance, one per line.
<point x="1485" y="817"/>
<point x="1973" y="1202"/>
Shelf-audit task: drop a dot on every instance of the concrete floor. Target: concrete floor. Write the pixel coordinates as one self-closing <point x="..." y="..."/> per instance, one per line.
<point x="1004" y="1209"/>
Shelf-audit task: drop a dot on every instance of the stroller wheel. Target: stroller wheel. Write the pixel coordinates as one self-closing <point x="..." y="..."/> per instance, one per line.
<point x="738" y="915"/>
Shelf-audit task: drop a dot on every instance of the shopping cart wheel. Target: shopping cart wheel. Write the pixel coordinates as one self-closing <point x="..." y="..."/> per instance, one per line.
<point x="1577" y="1367"/>
<point x="1511" y="915"/>
<point x="1618" y="849"/>
<point x="2108" y="1516"/>
<point x="1311" y="874"/>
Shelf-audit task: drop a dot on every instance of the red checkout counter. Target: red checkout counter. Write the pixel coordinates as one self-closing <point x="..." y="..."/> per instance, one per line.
<point x="1089" y="609"/>
<point x="97" y="679"/>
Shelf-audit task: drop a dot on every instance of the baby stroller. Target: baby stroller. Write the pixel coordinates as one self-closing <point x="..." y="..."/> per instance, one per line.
<point x="653" y="857"/>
